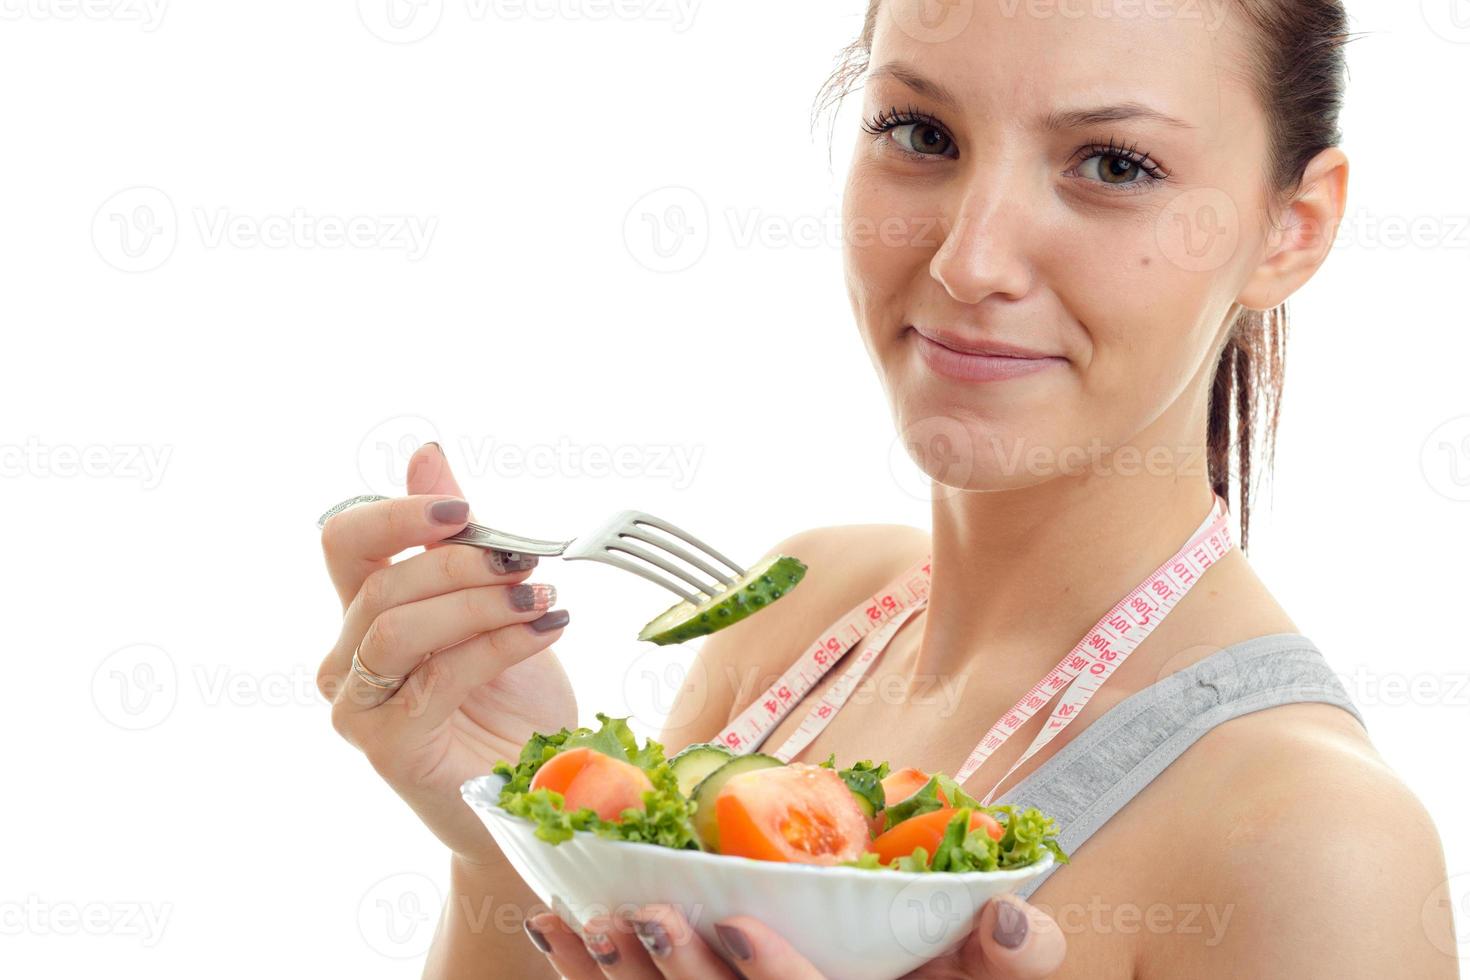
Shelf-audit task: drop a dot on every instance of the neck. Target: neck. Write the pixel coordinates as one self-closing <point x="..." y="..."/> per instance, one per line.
<point x="1019" y="576"/>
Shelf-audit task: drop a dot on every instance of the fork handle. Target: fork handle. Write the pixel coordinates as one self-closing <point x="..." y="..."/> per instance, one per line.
<point x="487" y="537"/>
<point x="473" y="534"/>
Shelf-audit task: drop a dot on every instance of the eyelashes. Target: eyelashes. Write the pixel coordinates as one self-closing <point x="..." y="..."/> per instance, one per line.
<point x="1131" y="155"/>
<point x="892" y="119"/>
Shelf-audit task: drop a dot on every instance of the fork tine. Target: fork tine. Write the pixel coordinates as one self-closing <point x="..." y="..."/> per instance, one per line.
<point x="648" y="573"/>
<point x="653" y="559"/>
<point x="638" y="517"/>
<point x="723" y="578"/>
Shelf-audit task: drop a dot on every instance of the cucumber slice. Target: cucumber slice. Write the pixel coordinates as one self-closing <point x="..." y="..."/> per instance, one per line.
<point x="765" y="583"/>
<point x="697" y="762"/>
<point x="705" y="827"/>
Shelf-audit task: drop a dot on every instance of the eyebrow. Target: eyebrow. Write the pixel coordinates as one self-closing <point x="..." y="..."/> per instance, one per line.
<point x="1057" y="119"/>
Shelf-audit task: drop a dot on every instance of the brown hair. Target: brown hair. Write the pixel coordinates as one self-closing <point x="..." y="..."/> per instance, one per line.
<point x="1298" y="70"/>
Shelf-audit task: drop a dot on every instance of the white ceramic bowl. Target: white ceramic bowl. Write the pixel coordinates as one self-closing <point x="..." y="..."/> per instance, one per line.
<point x="851" y="923"/>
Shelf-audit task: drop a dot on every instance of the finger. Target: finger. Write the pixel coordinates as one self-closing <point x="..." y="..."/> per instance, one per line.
<point x="612" y="945"/>
<point x="402" y="637"/>
<point x="564" y="948"/>
<point x="1013" y="941"/>
<point x="444" y="570"/>
<point x="760" y="954"/>
<point x="360" y="540"/>
<point x="436" y="689"/>
<point x="674" y="947"/>
<point x="429" y="472"/>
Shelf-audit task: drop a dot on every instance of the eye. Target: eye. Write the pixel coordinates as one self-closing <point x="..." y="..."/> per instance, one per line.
<point x="913" y="132"/>
<point x="921" y="138"/>
<point x="1118" y="166"/>
<point x="1112" y="169"/>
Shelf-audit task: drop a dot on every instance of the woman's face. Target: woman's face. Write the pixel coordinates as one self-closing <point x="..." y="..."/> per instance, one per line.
<point x="1108" y="251"/>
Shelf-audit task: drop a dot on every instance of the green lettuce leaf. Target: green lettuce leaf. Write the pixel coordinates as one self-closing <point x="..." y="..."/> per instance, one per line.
<point x="925" y="800"/>
<point x="863" y="778"/>
<point x="664" y="819"/>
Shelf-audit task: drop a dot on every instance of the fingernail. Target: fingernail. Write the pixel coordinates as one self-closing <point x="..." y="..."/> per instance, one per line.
<point x="553" y="620"/>
<point x="503" y="562"/>
<point x="537" y="939"/>
<point x="449" y="511"/>
<point x="653" y="936"/>
<point x="1011" y="925"/>
<point x="602" y="949"/>
<point x="437" y="448"/>
<point x="532" y="595"/>
<point x="734" y="940"/>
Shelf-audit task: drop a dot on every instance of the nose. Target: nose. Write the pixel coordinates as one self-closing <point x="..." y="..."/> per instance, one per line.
<point x="982" y="252"/>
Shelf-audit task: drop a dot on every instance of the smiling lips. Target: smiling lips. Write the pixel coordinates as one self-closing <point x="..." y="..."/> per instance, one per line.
<point x="979" y="360"/>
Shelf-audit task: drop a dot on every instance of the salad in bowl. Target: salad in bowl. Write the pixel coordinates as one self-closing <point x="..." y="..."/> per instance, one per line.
<point x="867" y="870"/>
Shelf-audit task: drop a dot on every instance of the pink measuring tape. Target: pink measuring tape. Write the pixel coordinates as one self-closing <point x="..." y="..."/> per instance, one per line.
<point x="1080" y="673"/>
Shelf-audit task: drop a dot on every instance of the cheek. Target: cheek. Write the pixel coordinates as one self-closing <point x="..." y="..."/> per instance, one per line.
<point x="888" y="237"/>
<point x="1145" y="315"/>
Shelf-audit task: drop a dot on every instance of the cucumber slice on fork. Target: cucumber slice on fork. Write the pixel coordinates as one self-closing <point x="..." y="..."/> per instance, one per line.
<point x="766" y="582"/>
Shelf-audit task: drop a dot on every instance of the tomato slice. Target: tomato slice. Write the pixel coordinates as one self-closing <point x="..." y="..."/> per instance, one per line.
<point x="898" y="786"/>
<point x="926" y="831"/>
<point x="588" y="778"/>
<point x="797" y="813"/>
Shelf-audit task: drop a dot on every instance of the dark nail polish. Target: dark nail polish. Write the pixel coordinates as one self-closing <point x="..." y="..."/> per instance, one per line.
<point x="1011" y="925"/>
<point x="654" y="937"/>
<point x="602" y="949"/>
<point x="449" y="511"/>
<point x="734" y="941"/>
<point x="553" y="620"/>
<point x="532" y="595"/>
<point x="537" y="939"/>
<point x="505" y="562"/>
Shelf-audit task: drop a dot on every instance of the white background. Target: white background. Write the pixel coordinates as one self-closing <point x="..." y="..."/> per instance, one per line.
<point x="165" y="751"/>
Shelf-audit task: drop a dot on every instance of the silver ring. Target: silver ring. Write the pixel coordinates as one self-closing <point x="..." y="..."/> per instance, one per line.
<point x="381" y="681"/>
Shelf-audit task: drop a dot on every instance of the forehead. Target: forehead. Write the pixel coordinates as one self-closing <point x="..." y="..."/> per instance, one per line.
<point x="1021" y="59"/>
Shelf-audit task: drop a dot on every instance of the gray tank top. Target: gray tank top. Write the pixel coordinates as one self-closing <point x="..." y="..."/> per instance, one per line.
<point x="1093" y="776"/>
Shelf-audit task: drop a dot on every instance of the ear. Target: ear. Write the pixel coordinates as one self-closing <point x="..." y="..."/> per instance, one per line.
<point x="1303" y="234"/>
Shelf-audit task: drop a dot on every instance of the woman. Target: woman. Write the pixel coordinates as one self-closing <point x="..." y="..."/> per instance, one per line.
<point x="1068" y="242"/>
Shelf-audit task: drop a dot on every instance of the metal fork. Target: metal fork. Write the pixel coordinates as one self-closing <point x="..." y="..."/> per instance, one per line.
<point x="622" y="534"/>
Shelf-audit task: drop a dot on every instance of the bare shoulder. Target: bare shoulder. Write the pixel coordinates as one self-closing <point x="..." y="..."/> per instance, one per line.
<point x="1327" y="863"/>
<point x="845" y="564"/>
